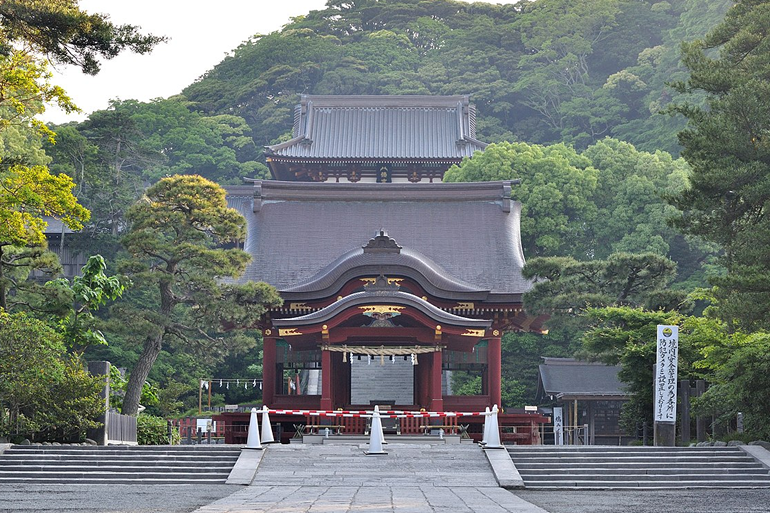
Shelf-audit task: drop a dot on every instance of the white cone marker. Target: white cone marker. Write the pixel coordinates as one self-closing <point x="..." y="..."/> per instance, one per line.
<point x="375" y="437"/>
<point x="252" y="442"/>
<point x="267" y="429"/>
<point x="493" y="440"/>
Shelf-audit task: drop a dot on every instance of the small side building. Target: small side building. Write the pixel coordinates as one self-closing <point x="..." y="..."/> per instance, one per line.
<point x="591" y="395"/>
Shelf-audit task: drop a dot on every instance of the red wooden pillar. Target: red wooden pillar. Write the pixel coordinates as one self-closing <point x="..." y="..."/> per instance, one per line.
<point x="436" y="400"/>
<point x="326" y="380"/>
<point x="494" y="370"/>
<point x="269" y="356"/>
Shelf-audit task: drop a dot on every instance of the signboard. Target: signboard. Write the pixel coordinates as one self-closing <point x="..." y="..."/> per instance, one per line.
<point x="558" y="426"/>
<point x="205" y="425"/>
<point x="666" y="374"/>
<point x="384" y="173"/>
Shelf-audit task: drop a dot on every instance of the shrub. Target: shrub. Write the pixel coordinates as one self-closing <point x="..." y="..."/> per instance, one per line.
<point x="151" y="430"/>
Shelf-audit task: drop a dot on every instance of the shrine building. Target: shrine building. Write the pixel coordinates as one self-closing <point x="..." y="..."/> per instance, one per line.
<point x="388" y="287"/>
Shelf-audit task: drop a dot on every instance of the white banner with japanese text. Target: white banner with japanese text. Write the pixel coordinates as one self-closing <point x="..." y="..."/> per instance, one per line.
<point x="666" y="373"/>
<point x="558" y="426"/>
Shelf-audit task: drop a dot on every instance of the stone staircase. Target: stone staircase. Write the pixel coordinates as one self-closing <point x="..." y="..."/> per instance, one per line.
<point x="605" y="467"/>
<point x="118" y="464"/>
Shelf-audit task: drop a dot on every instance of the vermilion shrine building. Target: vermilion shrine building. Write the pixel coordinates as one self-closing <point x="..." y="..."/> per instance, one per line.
<point x="388" y="287"/>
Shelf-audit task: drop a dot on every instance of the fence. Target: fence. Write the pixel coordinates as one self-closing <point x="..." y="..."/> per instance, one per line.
<point x="572" y="435"/>
<point x="121" y="429"/>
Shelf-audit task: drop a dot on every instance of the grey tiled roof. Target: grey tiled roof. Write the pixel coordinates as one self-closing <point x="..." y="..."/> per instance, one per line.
<point x="55" y="226"/>
<point x="469" y="231"/>
<point x="573" y="377"/>
<point x="382" y="127"/>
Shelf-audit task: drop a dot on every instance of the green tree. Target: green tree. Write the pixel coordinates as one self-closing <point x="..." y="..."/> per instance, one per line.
<point x="565" y="286"/>
<point x="26" y="195"/>
<point x="63" y="33"/>
<point x="727" y="144"/>
<point x="77" y="301"/>
<point x="556" y="188"/>
<point x="175" y="241"/>
<point x="46" y="395"/>
<point x="739" y="383"/>
<point x="34" y="33"/>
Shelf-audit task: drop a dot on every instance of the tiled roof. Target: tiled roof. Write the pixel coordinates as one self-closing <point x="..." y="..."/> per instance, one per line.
<point x="567" y="376"/>
<point x="468" y="233"/>
<point x="381" y="127"/>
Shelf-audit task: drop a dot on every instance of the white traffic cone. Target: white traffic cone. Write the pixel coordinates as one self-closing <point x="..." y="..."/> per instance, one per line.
<point x="487" y="423"/>
<point x="267" y="429"/>
<point x="252" y="442"/>
<point x="493" y="440"/>
<point x="375" y="437"/>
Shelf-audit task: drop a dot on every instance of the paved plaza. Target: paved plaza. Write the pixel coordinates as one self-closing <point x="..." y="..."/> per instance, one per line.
<point x="341" y="478"/>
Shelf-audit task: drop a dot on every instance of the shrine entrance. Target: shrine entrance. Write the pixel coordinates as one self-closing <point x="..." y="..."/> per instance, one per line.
<point x="383" y="381"/>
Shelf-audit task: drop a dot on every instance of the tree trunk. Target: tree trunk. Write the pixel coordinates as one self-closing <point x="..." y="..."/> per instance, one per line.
<point x="152" y="347"/>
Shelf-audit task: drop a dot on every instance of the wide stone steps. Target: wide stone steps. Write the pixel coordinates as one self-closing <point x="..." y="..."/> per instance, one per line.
<point x="597" y="467"/>
<point x="118" y="464"/>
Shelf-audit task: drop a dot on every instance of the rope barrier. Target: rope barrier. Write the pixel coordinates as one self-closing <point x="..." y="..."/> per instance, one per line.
<point x="393" y="414"/>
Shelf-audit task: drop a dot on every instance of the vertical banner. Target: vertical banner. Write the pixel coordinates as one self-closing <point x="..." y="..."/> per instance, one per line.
<point x="666" y="374"/>
<point x="558" y="426"/>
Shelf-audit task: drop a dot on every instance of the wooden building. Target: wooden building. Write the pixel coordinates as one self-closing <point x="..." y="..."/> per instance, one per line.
<point x="591" y="396"/>
<point x="388" y="287"/>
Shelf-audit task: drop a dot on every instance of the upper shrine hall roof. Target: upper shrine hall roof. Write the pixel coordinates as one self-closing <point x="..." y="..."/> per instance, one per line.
<point x="417" y="128"/>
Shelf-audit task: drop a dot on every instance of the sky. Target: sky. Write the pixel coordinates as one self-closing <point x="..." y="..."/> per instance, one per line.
<point x="201" y="33"/>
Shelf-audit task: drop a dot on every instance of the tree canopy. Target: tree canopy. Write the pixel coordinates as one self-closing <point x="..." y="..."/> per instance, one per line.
<point x="727" y="144"/>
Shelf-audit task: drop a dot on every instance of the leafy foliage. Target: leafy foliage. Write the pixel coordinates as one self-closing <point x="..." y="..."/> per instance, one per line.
<point x="47" y="395"/>
<point x="151" y="430"/>
<point x="26" y="195"/>
<point x="542" y="71"/>
<point x="59" y="30"/>
<point x="727" y="145"/>
<point x="86" y="294"/>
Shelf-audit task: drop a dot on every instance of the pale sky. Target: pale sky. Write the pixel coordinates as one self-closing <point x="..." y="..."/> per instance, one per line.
<point x="200" y="34"/>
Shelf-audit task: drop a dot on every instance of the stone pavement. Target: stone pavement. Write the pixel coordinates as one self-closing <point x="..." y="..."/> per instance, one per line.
<point x="411" y="478"/>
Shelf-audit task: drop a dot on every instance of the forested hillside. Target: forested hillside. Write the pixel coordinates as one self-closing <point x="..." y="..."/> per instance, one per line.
<point x="542" y="71"/>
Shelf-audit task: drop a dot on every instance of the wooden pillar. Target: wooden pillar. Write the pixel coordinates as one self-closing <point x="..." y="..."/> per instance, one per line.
<point x="436" y="400"/>
<point x="701" y="422"/>
<point x="684" y="395"/>
<point x="326" y="380"/>
<point x="269" y="356"/>
<point x="494" y="370"/>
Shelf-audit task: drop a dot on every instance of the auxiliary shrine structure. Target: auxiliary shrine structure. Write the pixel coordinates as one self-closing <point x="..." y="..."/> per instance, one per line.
<point x="391" y="280"/>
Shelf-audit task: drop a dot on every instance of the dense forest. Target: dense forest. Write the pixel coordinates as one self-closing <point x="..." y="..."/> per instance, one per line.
<point x="586" y="101"/>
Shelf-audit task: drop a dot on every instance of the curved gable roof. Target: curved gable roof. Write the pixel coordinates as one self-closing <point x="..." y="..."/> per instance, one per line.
<point x="379" y="297"/>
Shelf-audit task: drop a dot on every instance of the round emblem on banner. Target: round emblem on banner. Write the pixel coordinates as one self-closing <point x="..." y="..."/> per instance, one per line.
<point x="667" y="332"/>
